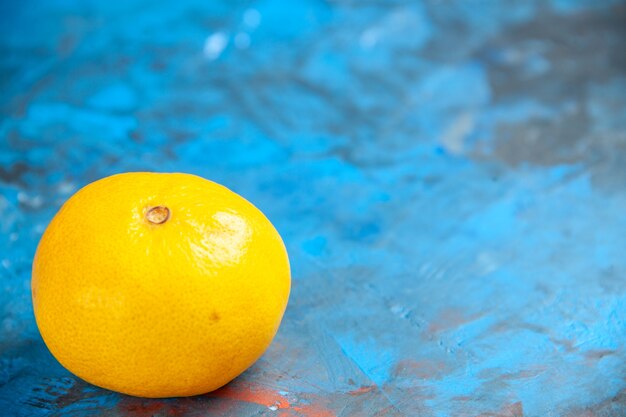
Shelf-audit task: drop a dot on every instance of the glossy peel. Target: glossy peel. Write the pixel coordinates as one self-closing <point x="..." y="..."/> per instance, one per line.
<point x="159" y="304"/>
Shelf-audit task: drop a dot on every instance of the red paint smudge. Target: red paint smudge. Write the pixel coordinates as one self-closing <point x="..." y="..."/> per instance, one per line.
<point x="462" y="398"/>
<point x="510" y="410"/>
<point x="362" y="390"/>
<point x="312" y="410"/>
<point x="514" y="410"/>
<point x="423" y="369"/>
<point x="451" y="318"/>
<point x="146" y="407"/>
<point x="139" y="407"/>
<point x="598" y="354"/>
<point x="256" y="394"/>
<point x="252" y="394"/>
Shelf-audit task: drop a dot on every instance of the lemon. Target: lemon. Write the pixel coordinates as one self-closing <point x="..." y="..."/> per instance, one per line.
<point x="159" y="285"/>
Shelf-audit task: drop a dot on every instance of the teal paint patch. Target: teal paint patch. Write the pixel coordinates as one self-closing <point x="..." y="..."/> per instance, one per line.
<point x="448" y="181"/>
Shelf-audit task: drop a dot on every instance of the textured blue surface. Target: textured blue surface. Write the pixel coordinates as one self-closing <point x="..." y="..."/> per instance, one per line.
<point x="448" y="176"/>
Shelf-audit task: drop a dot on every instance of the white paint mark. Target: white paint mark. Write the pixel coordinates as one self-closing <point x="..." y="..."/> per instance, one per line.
<point x="453" y="137"/>
<point x="215" y="44"/>
<point x="66" y="187"/>
<point x="252" y="18"/>
<point x="369" y="38"/>
<point x="32" y="202"/>
<point x="487" y="263"/>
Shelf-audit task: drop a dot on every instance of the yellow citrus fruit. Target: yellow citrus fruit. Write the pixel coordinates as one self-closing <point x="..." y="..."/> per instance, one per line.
<point x="159" y="285"/>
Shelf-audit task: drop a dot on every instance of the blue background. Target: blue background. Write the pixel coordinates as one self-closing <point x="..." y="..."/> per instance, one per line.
<point x="448" y="176"/>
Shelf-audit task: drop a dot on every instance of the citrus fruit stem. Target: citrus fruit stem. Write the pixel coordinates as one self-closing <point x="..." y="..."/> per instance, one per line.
<point x="158" y="215"/>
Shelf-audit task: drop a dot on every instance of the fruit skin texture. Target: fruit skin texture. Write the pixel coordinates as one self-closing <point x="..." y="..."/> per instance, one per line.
<point x="159" y="310"/>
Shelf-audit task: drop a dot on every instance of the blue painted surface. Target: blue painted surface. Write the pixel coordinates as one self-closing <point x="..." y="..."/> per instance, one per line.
<point x="448" y="178"/>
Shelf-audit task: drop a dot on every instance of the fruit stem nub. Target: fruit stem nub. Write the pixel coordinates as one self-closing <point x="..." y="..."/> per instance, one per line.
<point x="158" y="215"/>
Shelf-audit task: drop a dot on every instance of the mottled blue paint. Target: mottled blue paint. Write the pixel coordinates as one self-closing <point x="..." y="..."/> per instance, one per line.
<point x="448" y="178"/>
